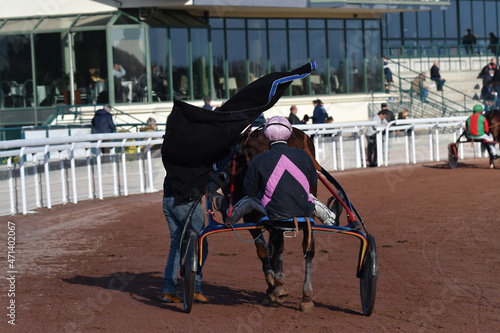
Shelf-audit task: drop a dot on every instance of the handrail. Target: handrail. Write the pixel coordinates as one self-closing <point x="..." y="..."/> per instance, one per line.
<point x="465" y="96"/>
<point x="442" y="51"/>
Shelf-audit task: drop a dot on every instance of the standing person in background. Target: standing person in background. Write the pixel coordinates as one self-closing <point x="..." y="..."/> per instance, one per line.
<point x="436" y="77"/>
<point x="469" y="40"/>
<point x="120" y="91"/>
<point x="292" y="117"/>
<point x="387" y="71"/>
<point x="150" y="125"/>
<point x="371" y="137"/>
<point x="103" y="123"/>
<point x="319" y="114"/>
<point x="493" y="44"/>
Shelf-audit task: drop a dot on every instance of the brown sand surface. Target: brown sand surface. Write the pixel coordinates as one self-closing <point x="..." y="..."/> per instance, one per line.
<point x="97" y="266"/>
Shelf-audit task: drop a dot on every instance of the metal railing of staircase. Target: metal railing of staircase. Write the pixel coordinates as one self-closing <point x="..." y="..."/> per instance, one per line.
<point x="445" y="103"/>
<point x="77" y="111"/>
<point x="444" y="51"/>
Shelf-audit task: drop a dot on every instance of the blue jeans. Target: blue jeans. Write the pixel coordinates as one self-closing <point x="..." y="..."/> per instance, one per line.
<point x="176" y="217"/>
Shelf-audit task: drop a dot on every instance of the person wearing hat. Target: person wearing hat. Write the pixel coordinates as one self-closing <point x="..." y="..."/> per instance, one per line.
<point x="278" y="181"/>
<point x="476" y="127"/>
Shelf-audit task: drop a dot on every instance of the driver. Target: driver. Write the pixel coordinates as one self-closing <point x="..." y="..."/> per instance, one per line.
<point x="476" y="127"/>
<point x="278" y="181"/>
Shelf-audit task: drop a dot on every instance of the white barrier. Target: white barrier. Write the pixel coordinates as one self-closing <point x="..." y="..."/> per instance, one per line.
<point x="74" y="167"/>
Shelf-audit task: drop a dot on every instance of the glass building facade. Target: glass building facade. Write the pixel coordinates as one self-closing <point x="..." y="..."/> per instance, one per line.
<point x="117" y="58"/>
<point x="441" y="32"/>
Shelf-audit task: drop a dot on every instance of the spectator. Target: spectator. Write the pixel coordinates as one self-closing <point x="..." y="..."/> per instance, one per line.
<point x="371" y="137"/>
<point x="489" y="94"/>
<point x="387" y="71"/>
<point x="329" y="120"/>
<point x="419" y="87"/>
<point x="207" y="104"/>
<point x="150" y="125"/>
<point x="436" y="76"/>
<point x="103" y="121"/>
<point x="121" y="92"/>
<point x="319" y="114"/>
<point x="292" y="117"/>
<point x="489" y="71"/>
<point x="159" y="84"/>
<point x="493" y="44"/>
<point x="469" y="40"/>
<point x="403" y="114"/>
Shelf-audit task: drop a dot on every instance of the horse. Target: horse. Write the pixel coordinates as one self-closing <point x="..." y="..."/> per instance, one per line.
<point x="271" y="255"/>
<point x="493" y="118"/>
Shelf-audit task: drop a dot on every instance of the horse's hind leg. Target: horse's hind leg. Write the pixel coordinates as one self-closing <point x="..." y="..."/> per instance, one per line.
<point x="277" y="246"/>
<point x="263" y="254"/>
<point x="307" y="292"/>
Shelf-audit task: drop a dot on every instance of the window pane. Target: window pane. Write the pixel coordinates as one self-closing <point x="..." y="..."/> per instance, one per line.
<point x="218" y="62"/>
<point x="423" y="19"/>
<point x="490" y="19"/>
<point x="276" y="23"/>
<point x="393" y="23"/>
<point x="19" y="25"/>
<point x="257" y="53"/>
<point x="336" y="52"/>
<point x="55" y="23"/>
<point x="478" y="22"/>
<point x="338" y="24"/>
<point x="297" y="52"/>
<point x="437" y="24"/>
<point x="236" y="57"/>
<point x="180" y="62"/>
<point x="278" y="51"/>
<point x="450" y="17"/>
<point x="317" y="49"/>
<point x="410" y="25"/>
<point x="465" y="16"/>
<point x="15" y="71"/>
<point x="372" y="24"/>
<point x="199" y="42"/>
<point x="159" y="63"/>
<point x="235" y="23"/>
<point x="353" y="24"/>
<point x="296" y="24"/>
<point x="94" y="20"/>
<point x="129" y="65"/>
<point x="355" y="58"/>
<point x="216" y="23"/>
<point x="52" y="68"/>
<point x="373" y="64"/>
<point x="256" y="23"/>
<point x="91" y="66"/>
<point x="316" y="24"/>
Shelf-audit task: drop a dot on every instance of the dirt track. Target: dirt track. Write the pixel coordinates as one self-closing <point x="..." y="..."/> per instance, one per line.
<point x="98" y="265"/>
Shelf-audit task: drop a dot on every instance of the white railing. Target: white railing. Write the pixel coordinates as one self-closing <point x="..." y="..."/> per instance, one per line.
<point x="43" y="172"/>
<point x="79" y="162"/>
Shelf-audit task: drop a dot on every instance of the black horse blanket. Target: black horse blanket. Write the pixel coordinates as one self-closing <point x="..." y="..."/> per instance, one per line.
<point x="196" y="138"/>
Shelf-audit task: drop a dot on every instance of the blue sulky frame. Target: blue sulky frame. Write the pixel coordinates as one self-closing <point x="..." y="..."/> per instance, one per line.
<point x="191" y="254"/>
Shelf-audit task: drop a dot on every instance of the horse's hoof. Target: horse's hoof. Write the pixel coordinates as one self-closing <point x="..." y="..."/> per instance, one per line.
<point x="270" y="296"/>
<point x="280" y="295"/>
<point x="492" y="166"/>
<point x="306" y="306"/>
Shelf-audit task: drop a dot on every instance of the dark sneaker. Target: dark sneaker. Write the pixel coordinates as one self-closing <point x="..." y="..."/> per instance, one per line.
<point x="170" y="298"/>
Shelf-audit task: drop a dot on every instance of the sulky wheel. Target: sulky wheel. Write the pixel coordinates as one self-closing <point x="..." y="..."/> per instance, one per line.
<point x="189" y="269"/>
<point x="368" y="277"/>
<point x="452" y="156"/>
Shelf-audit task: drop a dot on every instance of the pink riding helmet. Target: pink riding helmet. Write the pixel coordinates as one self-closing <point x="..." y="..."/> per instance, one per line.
<point x="278" y="129"/>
